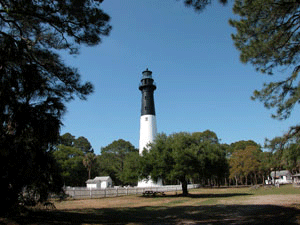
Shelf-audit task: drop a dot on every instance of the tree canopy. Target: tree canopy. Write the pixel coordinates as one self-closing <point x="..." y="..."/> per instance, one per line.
<point x="81" y="142"/>
<point x="200" y="5"/>
<point x="267" y="36"/>
<point x="35" y="83"/>
<point x="184" y="157"/>
<point x="76" y="160"/>
<point x="285" y="154"/>
<point x="245" y="163"/>
<point x="70" y="160"/>
<point x="115" y="161"/>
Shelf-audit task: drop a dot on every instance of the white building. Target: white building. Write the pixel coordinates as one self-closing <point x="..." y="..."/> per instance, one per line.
<point x="281" y="177"/>
<point x="99" y="182"/>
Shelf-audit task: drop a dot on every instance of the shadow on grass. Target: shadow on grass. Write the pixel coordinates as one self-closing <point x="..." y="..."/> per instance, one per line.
<point x="216" y="214"/>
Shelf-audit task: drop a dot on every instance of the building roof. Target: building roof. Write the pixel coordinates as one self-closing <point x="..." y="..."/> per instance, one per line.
<point x="281" y="173"/>
<point x="296" y="175"/>
<point x="98" y="180"/>
<point x="90" y="181"/>
<point x="102" y="178"/>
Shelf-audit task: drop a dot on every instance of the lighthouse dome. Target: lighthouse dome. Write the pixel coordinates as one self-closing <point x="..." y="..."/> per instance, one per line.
<point x="147" y="74"/>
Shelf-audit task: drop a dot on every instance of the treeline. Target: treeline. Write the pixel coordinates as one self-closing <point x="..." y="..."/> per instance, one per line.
<point x="183" y="157"/>
<point x="78" y="162"/>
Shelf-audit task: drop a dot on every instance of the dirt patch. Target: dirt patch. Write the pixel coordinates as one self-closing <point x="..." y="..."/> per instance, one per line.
<point x="273" y="200"/>
<point x="171" y="200"/>
<point x="118" y="202"/>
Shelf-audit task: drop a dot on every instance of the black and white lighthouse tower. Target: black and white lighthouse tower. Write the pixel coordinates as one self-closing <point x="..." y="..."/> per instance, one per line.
<point x="148" y="128"/>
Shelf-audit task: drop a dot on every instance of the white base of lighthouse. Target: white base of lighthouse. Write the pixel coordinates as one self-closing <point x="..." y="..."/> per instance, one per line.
<point x="148" y="132"/>
<point x="150" y="183"/>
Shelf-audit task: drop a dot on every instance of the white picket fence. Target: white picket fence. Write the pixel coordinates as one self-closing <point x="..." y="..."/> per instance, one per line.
<point x="83" y="192"/>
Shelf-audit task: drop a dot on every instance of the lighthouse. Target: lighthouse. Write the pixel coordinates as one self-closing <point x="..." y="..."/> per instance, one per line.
<point x="148" y="128"/>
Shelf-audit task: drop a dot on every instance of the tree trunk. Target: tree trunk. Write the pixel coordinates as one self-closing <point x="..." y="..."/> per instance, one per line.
<point x="89" y="173"/>
<point x="184" y="187"/>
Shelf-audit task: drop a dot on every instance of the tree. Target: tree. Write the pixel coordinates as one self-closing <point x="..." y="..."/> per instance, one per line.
<point x="112" y="160"/>
<point x="291" y="158"/>
<point x="285" y="154"/>
<point x="129" y="175"/>
<point x="244" y="164"/>
<point x="276" y="147"/>
<point x="88" y="162"/>
<point x="70" y="160"/>
<point x="183" y="157"/>
<point x="67" y="139"/>
<point x="207" y="135"/>
<point x="46" y="179"/>
<point x="83" y="144"/>
<point x="268" y="38"/>
<point x="200" y="5"/>
<point x="216" y="164"/>
<point x="213" y="155"/>
<point x="265" y="165"/>
<point x="35" y="83"/>
<point x="170" y="158"/>
<point x="74" y="156"/>
<point x="241" y="145"/>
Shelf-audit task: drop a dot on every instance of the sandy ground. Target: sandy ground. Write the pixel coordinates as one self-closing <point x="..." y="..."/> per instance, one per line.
<point x="118" y="202"/>
<point x="280" y="200"/>
<point x="132" y="201"/>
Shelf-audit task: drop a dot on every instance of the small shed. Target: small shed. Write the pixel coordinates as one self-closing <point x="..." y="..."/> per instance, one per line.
<point x="281" y="177"/>
<point x="99" y="182"/>
<point x="296" y="178"/>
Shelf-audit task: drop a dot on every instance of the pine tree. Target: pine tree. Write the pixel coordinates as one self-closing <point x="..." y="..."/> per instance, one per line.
<point x="35" y="83"/>
<point x="268" y="38"/>
<point x="200" y="5"/>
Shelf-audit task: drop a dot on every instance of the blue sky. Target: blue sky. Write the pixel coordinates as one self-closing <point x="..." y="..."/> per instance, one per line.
<point x="201" y="83"/>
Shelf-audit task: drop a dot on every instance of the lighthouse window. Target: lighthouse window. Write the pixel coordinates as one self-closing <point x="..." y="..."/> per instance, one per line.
<point x="146" y="118"/>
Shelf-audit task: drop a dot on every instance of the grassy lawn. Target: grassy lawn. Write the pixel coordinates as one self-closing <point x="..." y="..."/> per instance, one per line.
<point x="203" y="206"/>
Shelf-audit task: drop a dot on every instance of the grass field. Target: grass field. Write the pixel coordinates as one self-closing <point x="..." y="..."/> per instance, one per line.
<point x="203" y="206"/>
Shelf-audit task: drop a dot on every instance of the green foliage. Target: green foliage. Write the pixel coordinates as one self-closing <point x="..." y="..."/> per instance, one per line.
<point x="88" y="161"/>
<point x="200" y="5"/>
<point x="205" y="136"/>
<point x="129" y="175"/>
<point x="46" y="177"/>
<point x="115" y="161"/>
<point x="284" y="154"/>
<point x="67" y="139"/>
<point x="183" y="157"/>
<point x="75" y="156"/>
<point x="291" y="158"/>
<point x="83" y="144"/>
<point x="70" y="160"/>
<point x="267" y="37"/>
<point x="241" y="145"/>
<point x="247" y="163"/>
<point x="35" y="83"/>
